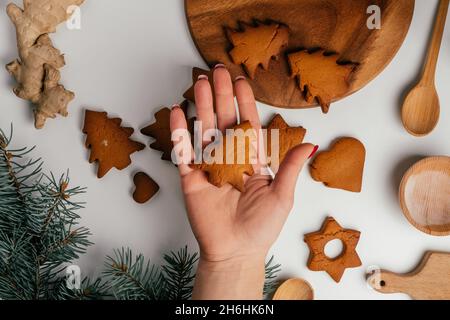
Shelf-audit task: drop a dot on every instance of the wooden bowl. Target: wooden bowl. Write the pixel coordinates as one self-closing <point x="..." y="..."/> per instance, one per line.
<point x="425" y="196"/>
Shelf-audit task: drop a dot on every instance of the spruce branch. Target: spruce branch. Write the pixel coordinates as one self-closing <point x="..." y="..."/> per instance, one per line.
<point x="179" y="274"/>
<point x="17" y="266"/>
<point x="131" y="278"/>
<point x="39" y="233"/>
<point x="272" y="271"/>
<point x="40" y="236"/>
<point x="89" y="290"/>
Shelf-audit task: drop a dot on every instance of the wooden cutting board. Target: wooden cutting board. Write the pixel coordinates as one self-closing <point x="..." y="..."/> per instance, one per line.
<point x="339" y="26"/>
<point x="430" y="280"/>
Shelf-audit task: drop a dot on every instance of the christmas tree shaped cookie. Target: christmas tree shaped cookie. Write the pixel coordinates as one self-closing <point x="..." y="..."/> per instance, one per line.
<point x="256" y="45"/>
<point x="109" y="142"/>
<point x="320" y="76"/>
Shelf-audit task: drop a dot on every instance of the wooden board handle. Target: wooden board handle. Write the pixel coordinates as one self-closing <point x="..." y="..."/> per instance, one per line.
<point x="389" y="282"/>
<point x="430" y="280"/>
<point x="435" y="44"/>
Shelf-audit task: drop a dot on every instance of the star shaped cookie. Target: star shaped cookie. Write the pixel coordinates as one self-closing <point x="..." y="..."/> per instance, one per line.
<point x="289" y="137"/>
<point x="318" y="260"/>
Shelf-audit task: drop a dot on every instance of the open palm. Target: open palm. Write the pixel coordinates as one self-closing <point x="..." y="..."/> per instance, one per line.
<point x="226" y="222"/>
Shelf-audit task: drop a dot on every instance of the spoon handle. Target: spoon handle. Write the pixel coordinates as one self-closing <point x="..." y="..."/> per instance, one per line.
<point x="435" y="45"/>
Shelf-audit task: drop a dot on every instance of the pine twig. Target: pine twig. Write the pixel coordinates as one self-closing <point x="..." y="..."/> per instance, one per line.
<point x="179" y="274"/>
<point x="38" y="226"/>
<point x="131" y="278"/>
<point x="272" y="271"/>
<point x="89" y="290"/>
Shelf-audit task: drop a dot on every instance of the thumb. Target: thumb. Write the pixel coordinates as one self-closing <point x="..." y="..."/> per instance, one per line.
<point x="14" y="12"/>
<point x="287" y="176"/>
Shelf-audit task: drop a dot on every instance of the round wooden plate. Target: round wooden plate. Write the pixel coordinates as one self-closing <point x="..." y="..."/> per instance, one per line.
<point x="339" y="26"/>
<point x="425" y="196"/>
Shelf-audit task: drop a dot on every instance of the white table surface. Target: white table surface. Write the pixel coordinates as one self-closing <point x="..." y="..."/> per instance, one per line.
<point x="132" y="57"/>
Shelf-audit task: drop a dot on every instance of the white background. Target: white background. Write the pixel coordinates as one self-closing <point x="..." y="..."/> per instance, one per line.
<point x="132" y="57"/>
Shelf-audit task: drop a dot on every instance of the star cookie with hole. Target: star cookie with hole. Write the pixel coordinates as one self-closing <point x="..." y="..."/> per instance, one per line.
<point x="318" y="260"/>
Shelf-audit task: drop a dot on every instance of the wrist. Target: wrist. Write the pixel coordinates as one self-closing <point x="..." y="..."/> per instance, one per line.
<point x="233" y="256"/>
<point x="236" y="278"/>
<point x="238" y="263"/>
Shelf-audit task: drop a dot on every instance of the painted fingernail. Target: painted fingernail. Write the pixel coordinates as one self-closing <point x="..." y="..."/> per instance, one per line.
<point x="203" y="77"/>
<point x="313" y="152"/>
<point x="239" y="78"/>
<point x="176" y="105"/>
<point x="219" y="66"/>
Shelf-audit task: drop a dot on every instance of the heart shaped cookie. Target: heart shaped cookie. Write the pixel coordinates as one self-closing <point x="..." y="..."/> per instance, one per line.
<point x="342" y="167"/>
<point x="146" y="188"/>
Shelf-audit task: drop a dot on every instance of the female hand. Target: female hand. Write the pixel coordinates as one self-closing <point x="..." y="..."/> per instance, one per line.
<point x="234" y="230"/>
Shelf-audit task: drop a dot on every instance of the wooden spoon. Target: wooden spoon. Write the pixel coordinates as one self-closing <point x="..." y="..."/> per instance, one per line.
<point x="420" y="113"/>
<point x="294" y="289"/>
<point x="425" y="196"/>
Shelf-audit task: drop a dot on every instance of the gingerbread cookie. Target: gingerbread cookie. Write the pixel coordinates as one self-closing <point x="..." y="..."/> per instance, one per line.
<point x="289" y="137"/>
<point x="109" y="142"/>
<point x="220" y="174"/>
<point x="146" y="188"/>
<point x="256" y="46"/>
<point x="342" y="167"/>
<point x="320" y="76"/>
<point x="318" y="260"/>
<point x="160" y="131"/>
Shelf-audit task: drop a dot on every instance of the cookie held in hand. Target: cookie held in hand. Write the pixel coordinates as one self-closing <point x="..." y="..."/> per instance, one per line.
<point x="256" y="46"/>
<point x="318" y="260"/>
<point x="109" y="142"/>
<point x="289" y="137"/>
<point x="146" y="188"/>
<point x="320" y="76"/>
<point x="341" y="167"/>
<point x="231" y="172"/>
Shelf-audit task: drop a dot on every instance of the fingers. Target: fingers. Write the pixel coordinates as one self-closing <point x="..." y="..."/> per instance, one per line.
<point x="204" y="102"/>
<point x="249" y="112"/>
<point x="178" y="127"/>
<point x="225" y="108"/>
<point x="247" y="103"/>
<point x="286" y="178"/>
